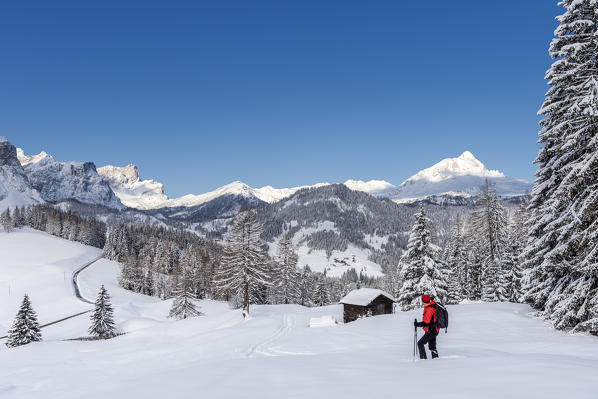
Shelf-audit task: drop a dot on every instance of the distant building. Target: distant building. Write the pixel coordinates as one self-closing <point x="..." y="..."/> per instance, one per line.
<point x="366" y="302"/>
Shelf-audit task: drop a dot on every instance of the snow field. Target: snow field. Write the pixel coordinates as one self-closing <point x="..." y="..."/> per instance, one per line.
<point x="492" y="350"/>
<point x="40" y="265"/>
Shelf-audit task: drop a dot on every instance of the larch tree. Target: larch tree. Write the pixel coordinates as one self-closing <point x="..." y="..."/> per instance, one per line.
<point x="245" y="270"/>
<point x="184" y="305"/>
<point x="102" y="318"/>
<point x="25" y="328"/>
<point x="422" y="270"/>
<point x="562" y="254"/>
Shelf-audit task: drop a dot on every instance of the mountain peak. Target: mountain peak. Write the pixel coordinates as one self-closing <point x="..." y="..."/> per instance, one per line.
<point x="467" y="155"/>
<point x="124" y="174"/>
<point x="29" y="159"/>
<point x="461" y="176"/>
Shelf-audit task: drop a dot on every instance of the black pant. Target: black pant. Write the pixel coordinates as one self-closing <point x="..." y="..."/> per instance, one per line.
<point x="430" y="339"/>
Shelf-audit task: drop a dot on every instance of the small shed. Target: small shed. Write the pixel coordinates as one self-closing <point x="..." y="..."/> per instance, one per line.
<point x="365" y="302"/>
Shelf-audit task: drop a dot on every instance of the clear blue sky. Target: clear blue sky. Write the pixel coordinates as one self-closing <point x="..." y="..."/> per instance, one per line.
<point x="199" y="94"/>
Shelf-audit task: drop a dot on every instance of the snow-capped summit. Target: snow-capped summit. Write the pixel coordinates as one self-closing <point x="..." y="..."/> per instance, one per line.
<point x="59" y="181"/>
<point x="464" y="165"/>
<point x="131" y="190"/>
<point x="457" y="177"/>
<point x="267" y="194"/>
<point x="29" y="159"/>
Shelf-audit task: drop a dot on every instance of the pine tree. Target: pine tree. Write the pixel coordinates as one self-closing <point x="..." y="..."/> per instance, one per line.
<point x="489" y="228"/>
<point x="306" y="287"/>
<point x="512" y="260"/>
<point x="287" y="276"/>
<point x="392" y="280"/>
<point x="17" y="219"/>
<point x="102" y="319"/>
<point x="6" y="220"/>
<point x="456" y="260"/>
<point x="25" y="328"/>
<point x="422" y="270"/>
<point x="245" y="267"/>
<point x="322" y="295"/>
<point x="561" y="256"/>
<point x="184" y="305"/>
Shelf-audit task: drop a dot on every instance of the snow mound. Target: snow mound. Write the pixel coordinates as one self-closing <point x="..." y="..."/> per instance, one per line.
<point x="322" y="321"/>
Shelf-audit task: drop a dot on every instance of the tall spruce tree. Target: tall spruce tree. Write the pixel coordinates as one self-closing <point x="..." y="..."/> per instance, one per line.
<point x="286" y="275"/>
<point x="321" y="295"/>
<point x="561" y="256"/>
<point x="422" y="270"/>
<point x="456" y="261"/>
<point x="25" y="328"/>
<point x="306" y="287"/>
<point x="517" y="237"/>
<point x="489" y="228"/>
<point x="244" y="269"/>
<point x="102" y="318"/>
<point x="6" y="220"/>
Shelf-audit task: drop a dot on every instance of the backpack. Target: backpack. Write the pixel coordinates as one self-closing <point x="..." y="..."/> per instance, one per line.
<point x="442" y="317"/>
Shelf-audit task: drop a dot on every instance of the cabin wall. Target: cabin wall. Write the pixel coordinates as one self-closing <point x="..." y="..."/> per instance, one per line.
<point x="354" y="312"/>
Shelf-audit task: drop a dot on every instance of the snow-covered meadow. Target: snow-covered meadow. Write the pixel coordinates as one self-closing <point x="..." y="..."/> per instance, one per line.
<point x="492" y="350"/>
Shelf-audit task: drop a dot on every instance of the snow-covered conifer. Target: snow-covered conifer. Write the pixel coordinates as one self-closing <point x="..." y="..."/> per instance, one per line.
<point x="245" y="267"/>
<point x="306" y="287"/>
<point x="25" y="328"/>
<point x="286" y="274"/>
<point x="561" y="256"/>
<point x="456" y="261"/>
<point x="6" y="220"/>
<point x="322" y="295"/>
<point x="422" y="270"/>
<point x="102" y="318"/>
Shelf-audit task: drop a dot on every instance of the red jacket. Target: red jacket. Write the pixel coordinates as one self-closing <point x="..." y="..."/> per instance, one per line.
<point x="430" y="315"/>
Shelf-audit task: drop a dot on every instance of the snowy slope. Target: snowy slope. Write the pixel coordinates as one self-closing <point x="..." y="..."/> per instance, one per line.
<point x="40" y="265"/>
<point x="492" y="350"/>
<point x="60" y="181"/>
<point x="339" y="261"/>
<point x="462" y="176"/>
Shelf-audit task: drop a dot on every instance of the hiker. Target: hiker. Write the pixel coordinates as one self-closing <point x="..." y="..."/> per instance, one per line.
<point x="429" y="323"/>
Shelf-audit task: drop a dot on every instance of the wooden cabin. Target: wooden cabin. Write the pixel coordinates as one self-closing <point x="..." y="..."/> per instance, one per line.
<point x="366" y="302"/>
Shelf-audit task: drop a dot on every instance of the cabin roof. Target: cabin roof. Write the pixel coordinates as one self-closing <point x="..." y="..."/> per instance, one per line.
<point x="364" y="296"/>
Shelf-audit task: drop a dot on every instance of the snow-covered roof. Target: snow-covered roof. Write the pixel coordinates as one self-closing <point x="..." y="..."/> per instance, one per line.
<point x="364" y="296"/>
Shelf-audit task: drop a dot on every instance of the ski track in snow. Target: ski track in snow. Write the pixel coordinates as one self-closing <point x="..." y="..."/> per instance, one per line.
<point x="266" y="347"/>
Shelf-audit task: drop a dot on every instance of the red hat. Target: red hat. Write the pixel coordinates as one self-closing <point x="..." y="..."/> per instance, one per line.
<point x="426" y="298"/>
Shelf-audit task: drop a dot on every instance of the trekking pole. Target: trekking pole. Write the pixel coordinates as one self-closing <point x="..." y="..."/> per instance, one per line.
<point x="414" y="339"/>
